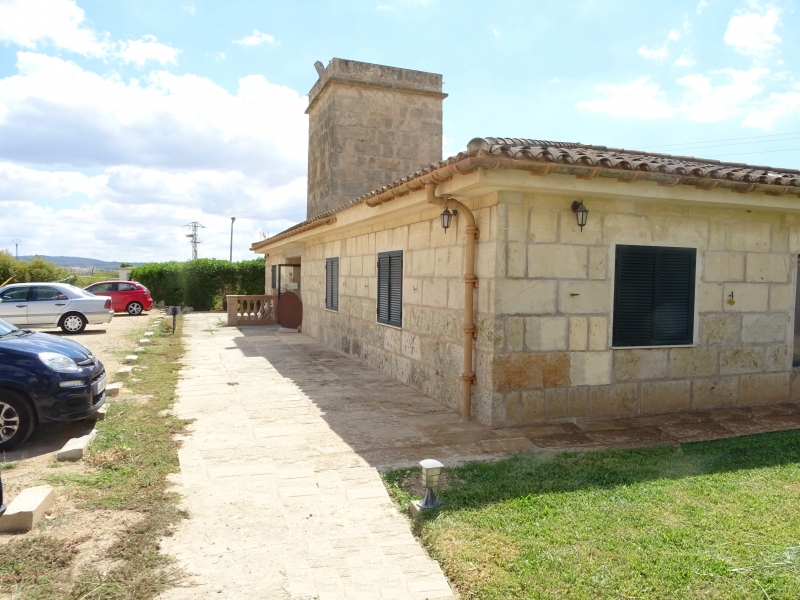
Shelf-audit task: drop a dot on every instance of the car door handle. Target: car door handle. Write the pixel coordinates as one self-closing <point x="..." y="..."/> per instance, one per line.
<point x="21" y="305"/>
<point x="61" y="304"/>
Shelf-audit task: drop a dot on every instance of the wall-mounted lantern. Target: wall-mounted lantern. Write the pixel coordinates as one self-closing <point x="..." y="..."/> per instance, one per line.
<point x="581" y="212"/>
<point x="447" y="217"/>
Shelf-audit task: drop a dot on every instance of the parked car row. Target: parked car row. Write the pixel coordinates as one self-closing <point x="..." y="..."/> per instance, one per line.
<point x="69" y="307"/>
<point x="47" y="378"/>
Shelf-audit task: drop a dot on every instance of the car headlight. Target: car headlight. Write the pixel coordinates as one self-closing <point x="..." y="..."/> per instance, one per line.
<point x="58" y="362"/>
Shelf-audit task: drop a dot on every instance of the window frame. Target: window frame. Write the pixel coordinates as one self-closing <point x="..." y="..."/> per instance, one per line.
<point x="398" y="287"/>
<point x="691" y="309"/>
<point x="332" y="277"/>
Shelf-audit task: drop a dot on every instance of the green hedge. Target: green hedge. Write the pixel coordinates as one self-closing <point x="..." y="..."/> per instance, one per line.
<point x="23" y="271"/>
<point x="202" y="283"/>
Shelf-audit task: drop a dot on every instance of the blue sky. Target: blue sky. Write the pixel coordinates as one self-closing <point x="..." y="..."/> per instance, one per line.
<point x="122" y="121"/>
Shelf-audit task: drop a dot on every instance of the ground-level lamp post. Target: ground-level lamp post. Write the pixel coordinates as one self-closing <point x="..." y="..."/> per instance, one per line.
<point x="431" y="471"/>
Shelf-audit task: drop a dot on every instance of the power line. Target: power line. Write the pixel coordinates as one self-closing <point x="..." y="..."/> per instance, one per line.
<point x="754" y="137"/>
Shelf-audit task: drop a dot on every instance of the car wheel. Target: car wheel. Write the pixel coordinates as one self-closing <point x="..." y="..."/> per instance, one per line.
<point x="73" y="323"/>
<point x="17" y="421"/>
<point x="134" y="308"/>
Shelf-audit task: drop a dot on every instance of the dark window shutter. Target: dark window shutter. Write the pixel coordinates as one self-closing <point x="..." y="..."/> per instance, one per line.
<point x="332" y="283"/>
<point x="396" y="289"/>
<point x="654" y="296"/>
<point x="390" y="288"/>
<point x="274" y="283"/>
<point x="383" y="288"/>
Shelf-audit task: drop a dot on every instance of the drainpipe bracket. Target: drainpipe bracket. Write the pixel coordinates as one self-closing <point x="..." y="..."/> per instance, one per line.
<point x="471" y="279"/>
<point x="469" y="377"/>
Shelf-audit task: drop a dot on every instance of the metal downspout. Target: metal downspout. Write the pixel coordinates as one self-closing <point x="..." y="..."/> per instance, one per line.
<point x="470" y="283"/>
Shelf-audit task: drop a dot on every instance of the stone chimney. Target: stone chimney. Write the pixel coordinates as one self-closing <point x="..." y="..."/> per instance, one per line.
<point x="368" y="126"/>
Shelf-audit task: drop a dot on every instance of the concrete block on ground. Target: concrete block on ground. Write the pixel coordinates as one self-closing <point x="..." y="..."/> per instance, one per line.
<point x="148" y="333"/>
<point x="288" y="330"/>
<point x="131" y="358"/>
<point x="124" y="371"/>
<point x="74" y="449"/>
<point x="144" y="342"/>
<point x="27" y="509"/>
<point x="113" y="389"/>
<point x="139" y="349"/>
<point x="99" y="415"/>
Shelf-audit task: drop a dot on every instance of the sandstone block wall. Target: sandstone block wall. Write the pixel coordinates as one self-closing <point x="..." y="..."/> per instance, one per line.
<point x="554" y="300"/>
<point x="426" y="353"/>
<point x="369" y="125"/>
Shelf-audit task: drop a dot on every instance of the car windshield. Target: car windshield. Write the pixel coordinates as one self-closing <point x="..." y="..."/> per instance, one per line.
<point x="77" y="292"/>
<point x="6" y="327"/>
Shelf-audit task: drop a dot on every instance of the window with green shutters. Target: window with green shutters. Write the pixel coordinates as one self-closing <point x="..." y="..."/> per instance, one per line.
<point x="654" y="296"/>
<point x="332" y="283"/>
<point x="390" y="288"/>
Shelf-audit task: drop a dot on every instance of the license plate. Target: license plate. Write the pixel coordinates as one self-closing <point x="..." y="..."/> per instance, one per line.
<point x="100" y="385"/>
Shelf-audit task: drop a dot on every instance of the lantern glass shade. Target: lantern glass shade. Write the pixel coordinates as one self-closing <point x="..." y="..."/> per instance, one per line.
<point x="581" y="213"/>
<point x="447" y="218"/>
<point x="431" y="470"/>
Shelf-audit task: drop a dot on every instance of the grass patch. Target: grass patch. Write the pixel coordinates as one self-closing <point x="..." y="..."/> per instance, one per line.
<point x="715" y="519"/>
<point x="132" y="455"/>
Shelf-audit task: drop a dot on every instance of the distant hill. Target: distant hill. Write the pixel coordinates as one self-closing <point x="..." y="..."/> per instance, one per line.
<point x="76" y="261"/>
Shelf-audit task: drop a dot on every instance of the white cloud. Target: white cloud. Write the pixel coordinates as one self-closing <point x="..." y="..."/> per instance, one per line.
<point x="28" y="23"/>
<point x="638" y="99"/>
<point x="54" y="112"/>
<point x="255" y="39"/>
<point x="219" y="56"/>
<point x="147" y="49"/>
<point x="709" y="103"/>
<point x="189" y="9"/>
<point x="383" y="7"/>
<point x="701" y="6"/>
<point x="495" y="32"/>
<point x="663" y="50"/>
<point x="684" y="61"/>
<point x="764" y="114"/>
<point x="753" y="34"/>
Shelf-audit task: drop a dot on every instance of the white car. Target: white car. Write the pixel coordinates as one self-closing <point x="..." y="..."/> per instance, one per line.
<point x="50" y="304"/>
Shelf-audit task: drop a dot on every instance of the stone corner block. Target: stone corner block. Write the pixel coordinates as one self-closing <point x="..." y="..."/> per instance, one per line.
<point x="74" y="449"/>
<point x="144" y="342"/>
<point x="131" y="358"/>
<point x="124" y="371"/>
<point x="27" y="509"/>
<point x="99" y="414"/>
<point x="148" y="333"/>
<point x="113" y="389"/>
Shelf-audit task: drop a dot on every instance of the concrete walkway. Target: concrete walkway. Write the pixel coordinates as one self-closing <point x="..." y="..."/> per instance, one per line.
<point x="280" y="472"/>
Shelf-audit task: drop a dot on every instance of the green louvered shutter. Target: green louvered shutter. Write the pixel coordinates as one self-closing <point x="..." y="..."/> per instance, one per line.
<point x="654" y="296"/>
<point x="332" y="283"/>
<point x="390" y="288"/>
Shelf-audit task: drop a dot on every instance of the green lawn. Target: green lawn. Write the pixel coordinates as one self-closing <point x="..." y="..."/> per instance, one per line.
<point x="707" y="520"/>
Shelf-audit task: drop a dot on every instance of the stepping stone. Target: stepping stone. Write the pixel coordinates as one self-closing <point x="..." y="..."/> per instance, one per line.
<point x="27" y="509"/>
<point x="113" y="389"/>
<point x="124" y="371"/>
<point x="139" y="350"/>
<point x="131" y="358"/>
<point x="144" y="342"/>
<point x="73" y="449"/>
<point x="100" y="415"/>
<point x="148" y="334"/>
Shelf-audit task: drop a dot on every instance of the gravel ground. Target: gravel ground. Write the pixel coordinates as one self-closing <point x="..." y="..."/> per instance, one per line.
<point x="35" y="459"/>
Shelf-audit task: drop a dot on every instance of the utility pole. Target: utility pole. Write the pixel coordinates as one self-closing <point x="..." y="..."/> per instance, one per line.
<point x="231" y="256"/>
<point x="195" y="226"/>
<point x="16" y="244"/>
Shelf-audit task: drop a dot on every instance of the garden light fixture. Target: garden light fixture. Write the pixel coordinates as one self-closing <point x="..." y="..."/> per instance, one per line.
<point x="447" y="217"/>
<point x="431" y="470"/>
<point x="581" y="212"/>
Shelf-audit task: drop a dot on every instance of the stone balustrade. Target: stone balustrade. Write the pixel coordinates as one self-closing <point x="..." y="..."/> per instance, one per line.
<point x="252" y="310"/>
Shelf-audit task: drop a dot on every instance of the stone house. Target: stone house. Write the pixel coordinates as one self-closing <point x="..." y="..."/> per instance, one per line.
<point x="678" y="293"/>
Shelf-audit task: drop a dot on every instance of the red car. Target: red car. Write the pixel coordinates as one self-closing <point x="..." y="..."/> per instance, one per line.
<point x="126" y="296"/>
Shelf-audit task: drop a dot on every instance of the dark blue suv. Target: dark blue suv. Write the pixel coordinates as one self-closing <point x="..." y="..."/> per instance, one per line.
<point x="44" y="379"/>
